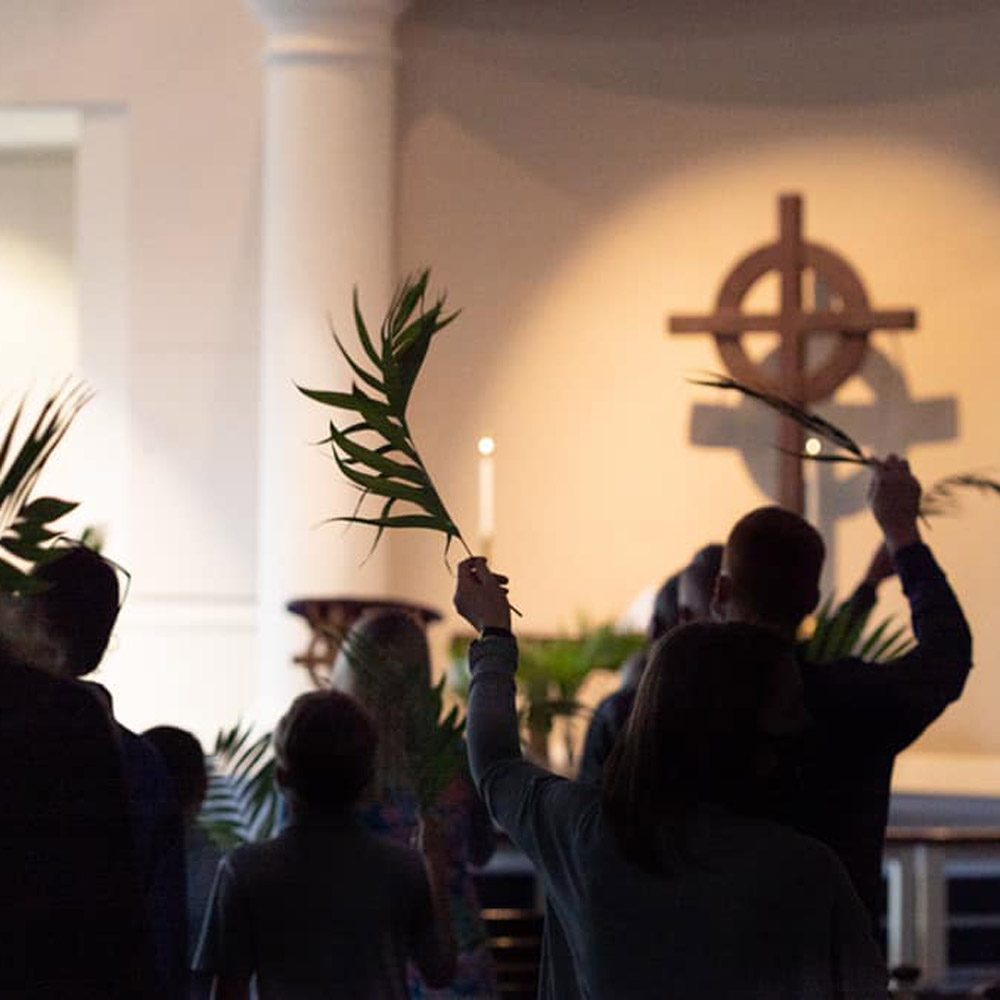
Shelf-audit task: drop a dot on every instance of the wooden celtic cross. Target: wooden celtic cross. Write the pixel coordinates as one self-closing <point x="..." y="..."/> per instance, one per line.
<point x="852" y="320"/>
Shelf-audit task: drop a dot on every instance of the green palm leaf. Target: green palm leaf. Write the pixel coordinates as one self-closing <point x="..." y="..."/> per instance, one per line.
<point x="942" y="499"/>
<point x="812" y="422"/>
<point x="241" y="805"/>
<point x="840" y="634"/>
<point x="821" y="630"/>
<point x="388" y="373"/>
<point x="562" y="662"/>
<point x="939" y="500"/>
<point x="25" y="531"/>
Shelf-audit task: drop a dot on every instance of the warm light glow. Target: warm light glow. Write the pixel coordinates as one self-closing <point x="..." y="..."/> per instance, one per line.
<point x="486" y="446"/>
<point x="813" y="446"/>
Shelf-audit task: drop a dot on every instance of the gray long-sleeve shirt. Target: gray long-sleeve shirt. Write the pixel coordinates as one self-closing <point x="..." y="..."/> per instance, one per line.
<point x="764" y="913"/>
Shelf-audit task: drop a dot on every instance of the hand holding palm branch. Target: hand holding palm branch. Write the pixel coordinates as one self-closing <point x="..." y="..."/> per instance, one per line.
<point x="377" y="453"/>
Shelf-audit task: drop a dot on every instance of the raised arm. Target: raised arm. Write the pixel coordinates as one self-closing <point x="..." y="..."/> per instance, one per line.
<point x="862" y="601"/>
<point x="492" y="729"/>
<point x="926" y="681"/>
<point x="533" y="805"/>
<point x="907" y="694"/>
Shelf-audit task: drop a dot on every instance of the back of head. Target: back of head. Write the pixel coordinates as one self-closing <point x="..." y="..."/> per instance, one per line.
<point x="185" y="762"/>
<point x="324" y="747"/>
<point x="385" y="663"/>
<point x="666" y="610"/>
<point x="392" y="644"/>
<point x="708" y="559"/>
<point x="713" y="702"/>
<point x="773" y="559"/>
<point x="79" y="606"/>
<point x="697" y="584"/>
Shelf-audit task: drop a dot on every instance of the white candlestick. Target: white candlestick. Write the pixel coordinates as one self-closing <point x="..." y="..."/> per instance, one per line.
<point x="487" y="486"/>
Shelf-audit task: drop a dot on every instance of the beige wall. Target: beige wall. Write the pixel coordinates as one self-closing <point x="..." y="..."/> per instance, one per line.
<point x="573" y="171"/>
<point x="575" y="176"/>
<point x="37" y="288"/>
<point x="170" y="100"/>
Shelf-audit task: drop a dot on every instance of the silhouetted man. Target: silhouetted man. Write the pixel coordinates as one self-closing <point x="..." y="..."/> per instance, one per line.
<point x="64" y="630"/>
<point x="72" y="920"/>
<point x="864" y="714"/>
<point x="79" y="609"/>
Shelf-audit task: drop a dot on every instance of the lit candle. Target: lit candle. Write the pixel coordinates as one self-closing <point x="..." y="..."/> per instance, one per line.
<point x="813" y="447"/>
<point x="487" y="519"/>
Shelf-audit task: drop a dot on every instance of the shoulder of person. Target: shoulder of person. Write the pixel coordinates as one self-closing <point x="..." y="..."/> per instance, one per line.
<point x="578" y="802"/>
<point x="33" y="687"/>
<point x="254" y="864"/>
<point x="404" y="866"/>
<point x="811" y="858"/>
<point x="845" y="671"/>
<point x="146" y="766"/>
<point x="614" y="705"/>
<point x="48" y="702"/>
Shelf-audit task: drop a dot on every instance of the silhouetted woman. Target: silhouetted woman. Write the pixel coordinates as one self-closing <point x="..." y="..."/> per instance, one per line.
<point x="673" y="880"/>
<point x="402" y="660"/>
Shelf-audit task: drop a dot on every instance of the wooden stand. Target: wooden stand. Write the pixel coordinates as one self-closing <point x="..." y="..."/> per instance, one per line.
<point x="330" y="618"/>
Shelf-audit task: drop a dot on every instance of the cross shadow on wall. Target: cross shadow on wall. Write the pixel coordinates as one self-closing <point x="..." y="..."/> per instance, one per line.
<point x="890" y="421"/>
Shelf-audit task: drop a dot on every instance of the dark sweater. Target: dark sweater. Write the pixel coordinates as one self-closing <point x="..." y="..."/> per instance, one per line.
<point x="72" y="922"/>
<point x="866" y="713"/>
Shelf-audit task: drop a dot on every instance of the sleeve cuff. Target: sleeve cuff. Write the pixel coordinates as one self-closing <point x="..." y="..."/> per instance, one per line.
<point x="496" y="650"/>
<point x="496" y="632"/>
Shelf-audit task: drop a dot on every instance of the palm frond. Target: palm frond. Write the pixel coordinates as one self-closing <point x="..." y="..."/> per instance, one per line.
<point x="25" y="524"/>
<point x="242" y="803"/>
<point x="831" y="459"/>
<point x="812" y="422"/>
<point x="943" y="497"/>
<point x="567" y="661"/>
<point x="563" y="663"/>
<point x="840" y="633"/>
<point x="376" y="452"/>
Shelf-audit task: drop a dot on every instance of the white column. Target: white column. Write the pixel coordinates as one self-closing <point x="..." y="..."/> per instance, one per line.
<point x="328" y="219"/>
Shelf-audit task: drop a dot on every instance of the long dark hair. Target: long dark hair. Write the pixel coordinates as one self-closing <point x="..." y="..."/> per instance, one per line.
<point x="392" y="664"/>
<point x="715" y="703"/>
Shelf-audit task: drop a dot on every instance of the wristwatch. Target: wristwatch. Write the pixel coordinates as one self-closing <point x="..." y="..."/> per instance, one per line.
<point x="493" y="630"/>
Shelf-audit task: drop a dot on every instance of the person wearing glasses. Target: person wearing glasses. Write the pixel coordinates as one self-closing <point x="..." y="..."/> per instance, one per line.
<point x="64" y="629"/>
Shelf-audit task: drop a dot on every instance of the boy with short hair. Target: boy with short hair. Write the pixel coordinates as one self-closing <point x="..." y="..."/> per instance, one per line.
<point x="327" y="909"/>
